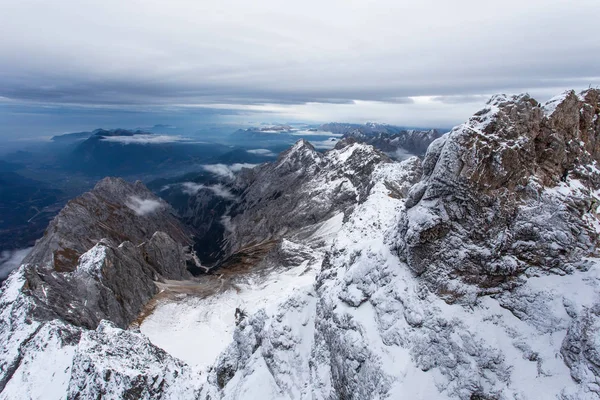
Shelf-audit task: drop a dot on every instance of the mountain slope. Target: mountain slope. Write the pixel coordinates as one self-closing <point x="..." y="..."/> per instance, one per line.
<point x="66" y="315"/>
<point x="375" y="326"/>
<point x="508" y="194"/>
<point x="303" y="187"/>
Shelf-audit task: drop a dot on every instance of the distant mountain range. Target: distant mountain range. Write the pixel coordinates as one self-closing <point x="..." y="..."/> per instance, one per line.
<point x="124" y="152"/>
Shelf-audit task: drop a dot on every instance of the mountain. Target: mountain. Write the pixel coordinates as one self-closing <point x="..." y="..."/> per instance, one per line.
<point x="469" y="274"/>
<point x="301" y="188"/>
<point x="480" y="284"/>
<point x="70" y="138"/>
<point x="368" y="129"/>
<point x="114" y="210"/>
<point x="85" y="282"/>
<point x="399" y="143"/>
<point x="265" y="133"/>
<point x="279" y="137"/>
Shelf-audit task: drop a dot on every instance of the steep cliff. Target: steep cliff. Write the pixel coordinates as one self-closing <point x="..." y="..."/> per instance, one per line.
<point x="64" y="310"/>
<point x="511" y="193"/>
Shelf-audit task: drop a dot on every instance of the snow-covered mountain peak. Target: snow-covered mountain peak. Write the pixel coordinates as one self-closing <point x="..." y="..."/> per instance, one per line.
<point x="480" y="186"/>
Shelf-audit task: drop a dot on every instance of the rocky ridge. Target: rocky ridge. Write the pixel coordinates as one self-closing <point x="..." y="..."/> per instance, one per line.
<point x="374" y="326"/>
<point x="56" y="314"/>
<point x="302" y="188"/>
<point x="396" y="144"/>
<point x="113" y="210"/>
<point x="509" y="194"/>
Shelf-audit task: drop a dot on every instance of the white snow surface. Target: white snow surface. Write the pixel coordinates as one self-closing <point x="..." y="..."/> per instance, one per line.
<point x="196" y="330"/>
<point x="92" y="260"/>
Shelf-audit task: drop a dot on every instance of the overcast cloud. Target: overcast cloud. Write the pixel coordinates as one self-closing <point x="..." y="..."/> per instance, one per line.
<point x="406" y="62"/>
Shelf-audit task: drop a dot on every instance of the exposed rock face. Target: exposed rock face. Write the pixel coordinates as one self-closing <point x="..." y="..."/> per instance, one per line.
<point x="111" y="282"/>
<point x="122" y="364"/>
<point x="398" y="143"/>
<point x="296" y="352"/>
<point x="114" y="210"/>
<point x="303" y="187"/>
<point x="55" y="360"/>
<point x="48" y="304"/>
<point x="509" y="192"/>
<point x="115" y="278"/>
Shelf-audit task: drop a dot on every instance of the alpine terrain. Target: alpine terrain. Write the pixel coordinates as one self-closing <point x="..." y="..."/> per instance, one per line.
<point x="469" y="273"/>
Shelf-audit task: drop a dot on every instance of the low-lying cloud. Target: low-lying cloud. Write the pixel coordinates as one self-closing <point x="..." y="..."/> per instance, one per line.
<point x="145" y="139"/>
<point x="227" y="171"/>
<point x="262" y="152"/>
<point x="400" y="154"/>
<point x="10" y="260"/>
<point x="191" y="188"/>
<point x="316" y="133"/>
<point x="143" y="206"/>
<point x="226" y="222"/>
<point x="324" y="144"/>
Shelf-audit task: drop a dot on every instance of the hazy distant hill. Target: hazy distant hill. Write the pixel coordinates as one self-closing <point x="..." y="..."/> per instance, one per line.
<point x="68" y="138"/>
<point x="25" y="208"/>
<point x="124" y="152"/>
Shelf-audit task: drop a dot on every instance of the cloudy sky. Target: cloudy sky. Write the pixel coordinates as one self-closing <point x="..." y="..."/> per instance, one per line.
<point x="425" y="63"/>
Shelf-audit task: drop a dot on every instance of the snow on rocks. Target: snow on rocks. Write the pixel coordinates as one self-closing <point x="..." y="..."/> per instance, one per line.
<point x="482" y="216"/>
<point x="43" y="357"/>
<point x="124" y="364"/>
<point x="302" y="188"/>
<point x="197" y="329"/>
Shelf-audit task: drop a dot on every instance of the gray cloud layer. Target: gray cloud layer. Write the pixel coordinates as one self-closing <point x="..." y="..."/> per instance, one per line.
<point x="236" y="52"/>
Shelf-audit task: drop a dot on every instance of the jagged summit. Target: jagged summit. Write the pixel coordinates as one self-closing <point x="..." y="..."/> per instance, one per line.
<point x="301" y="152"/>
<point x="114" y="209"/>
<point x="301" y="188"/>
<point x="493" y="185"/>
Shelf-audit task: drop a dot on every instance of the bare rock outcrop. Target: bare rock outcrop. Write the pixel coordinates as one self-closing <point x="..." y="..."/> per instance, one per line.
<point x="303" y="187"/>
<point x="510" y="192"/>
<point x="114" y="210"/>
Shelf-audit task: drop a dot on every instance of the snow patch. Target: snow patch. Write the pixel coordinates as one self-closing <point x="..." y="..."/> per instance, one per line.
<point x="550" y="106"/>
<point x="197" y="330"/>
<point x="92" y="260"/>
